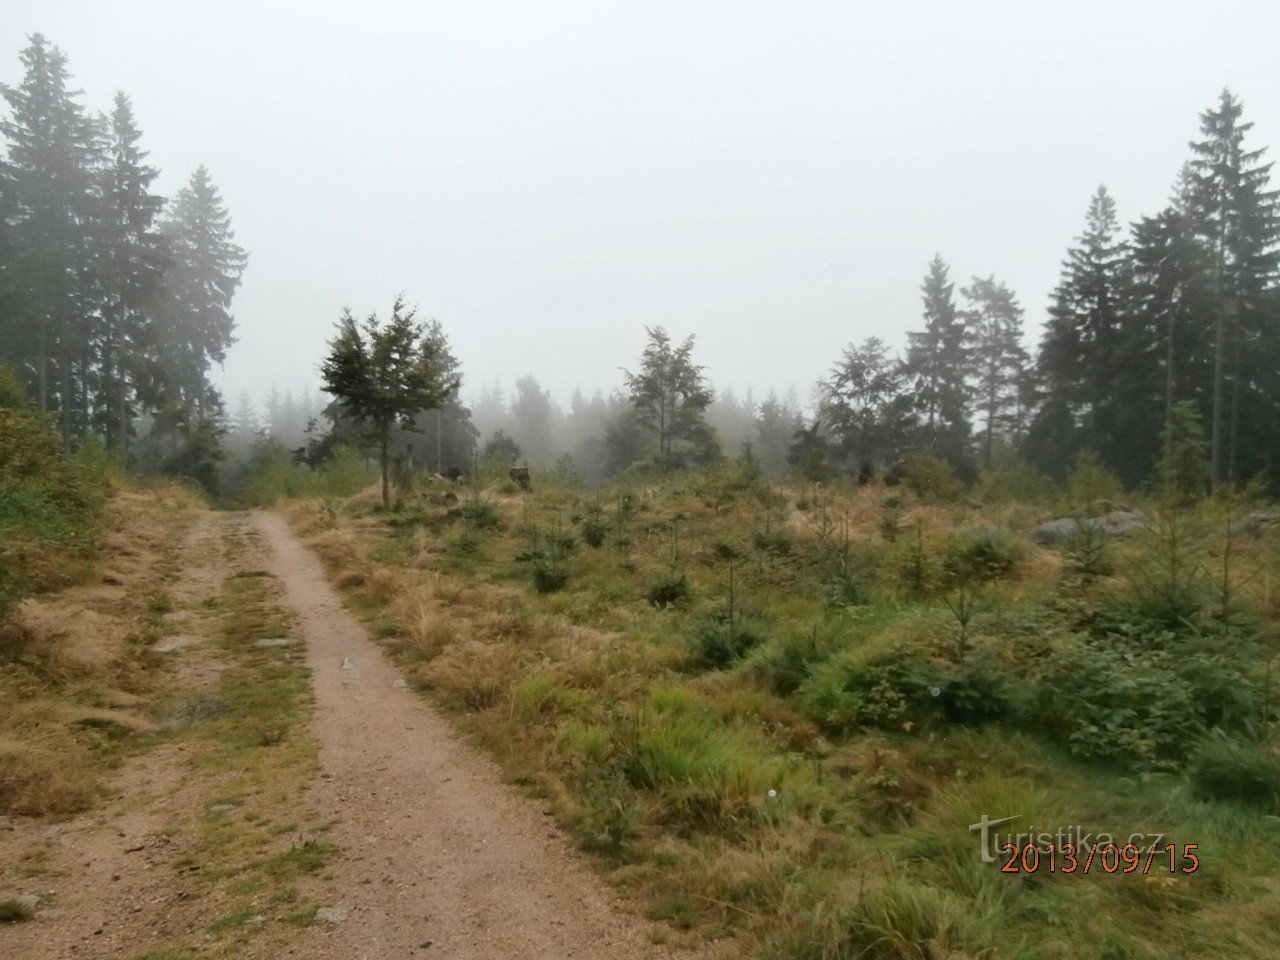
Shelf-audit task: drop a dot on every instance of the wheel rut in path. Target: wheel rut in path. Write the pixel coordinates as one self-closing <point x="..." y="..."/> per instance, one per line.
<point x="435" y="846"/>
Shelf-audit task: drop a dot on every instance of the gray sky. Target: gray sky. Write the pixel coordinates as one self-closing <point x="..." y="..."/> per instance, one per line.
<point x="546" y="179"/>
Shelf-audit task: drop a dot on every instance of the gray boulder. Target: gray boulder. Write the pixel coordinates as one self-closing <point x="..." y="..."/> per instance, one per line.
<point x="1256" y="524"/>
<point x="1117" y="523"/>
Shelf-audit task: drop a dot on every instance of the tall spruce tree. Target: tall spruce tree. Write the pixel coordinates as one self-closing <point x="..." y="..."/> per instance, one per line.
<point x="130" y="271"/>
<point x="1081" y="351"/>
<point x="1236" y="215"/>
<point x="201" y="283"/>
<point x="1167" y="350"/>
<point x="937" y="365"/>
<point x="52" y="149"/>
<point x="993" y="322"/>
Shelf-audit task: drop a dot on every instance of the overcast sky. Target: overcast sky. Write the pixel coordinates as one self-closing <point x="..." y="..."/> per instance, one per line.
<point x="546" y="179"/>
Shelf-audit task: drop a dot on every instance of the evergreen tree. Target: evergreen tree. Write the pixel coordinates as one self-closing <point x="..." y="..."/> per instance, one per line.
<point x="1167" y="350"/>
<point x="670" y="397"/>
<point x="383" y="375"/>
<point x="201" y="283"/>
<point x="937" y="365"/>
<point x="774" y="433"/>
<point x="1081" y="352"/>
<point x="533" y="419"/>
<point x="448" y="434"/>
<point x="1237" y="217"/>
<point x="244" y="424"/>
<point x="993" y="321"/>
<point x="52" y="149"/>
<point x="866" y="406"/>
<point x="130" y="270"/>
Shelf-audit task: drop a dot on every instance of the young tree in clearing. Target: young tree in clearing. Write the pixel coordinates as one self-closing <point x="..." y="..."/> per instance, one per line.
<point x="383" y="375"/>
<point x="670" y="397"/>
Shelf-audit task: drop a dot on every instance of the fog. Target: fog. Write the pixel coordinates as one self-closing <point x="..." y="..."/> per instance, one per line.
<point x="548" y="179"/>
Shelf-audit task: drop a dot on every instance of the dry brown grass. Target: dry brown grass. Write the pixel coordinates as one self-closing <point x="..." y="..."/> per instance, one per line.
<point x="472" y="677"/>
<point x="73" y="670"/>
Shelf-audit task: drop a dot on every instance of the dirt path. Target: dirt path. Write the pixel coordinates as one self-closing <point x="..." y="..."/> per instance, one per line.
<point x="439" y="857"/>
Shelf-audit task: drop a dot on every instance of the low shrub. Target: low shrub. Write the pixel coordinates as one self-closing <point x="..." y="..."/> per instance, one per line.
<point x="982" y="555"/>
<point x="594" y="532"/>
<point x="1237" y="771"/>
<point x="669" y="591"/>
<point x="1117" y="704"/>
<point x="886" y="690"/>
<point x="479" y="514"/>
<point x="787" y="661"/>
<point x="929" y="477"/>
<point x="774" y="542"/>
<point x="720" y="641"/>
<point x="549" y="577"/>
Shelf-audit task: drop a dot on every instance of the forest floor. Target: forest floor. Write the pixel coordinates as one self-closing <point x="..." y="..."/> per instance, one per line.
<point x="292" y="796"/>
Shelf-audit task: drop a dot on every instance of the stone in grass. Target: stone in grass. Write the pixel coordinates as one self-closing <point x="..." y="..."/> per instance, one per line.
<point x="174" y="643"/>
<point x="275" y="642"/>
<point x="331" y="915"/>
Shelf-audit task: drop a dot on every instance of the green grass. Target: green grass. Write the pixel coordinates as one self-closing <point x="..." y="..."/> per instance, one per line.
<point x="809" y="789"/>
<point x="11" y="911"/>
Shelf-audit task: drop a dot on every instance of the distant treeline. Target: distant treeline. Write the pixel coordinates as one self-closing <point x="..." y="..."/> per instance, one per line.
<point x="114" y="305"/>
<point x="113" y="302"/>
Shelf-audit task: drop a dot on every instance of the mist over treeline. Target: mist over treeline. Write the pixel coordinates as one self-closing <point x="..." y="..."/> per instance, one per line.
<point x="115" y="303"/>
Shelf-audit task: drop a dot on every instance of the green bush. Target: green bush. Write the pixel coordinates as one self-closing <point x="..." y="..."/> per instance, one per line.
<point x="480" y="514"/>
<point x="1116" y="703"/>
<point x="594" y="532"/>
<point x="467" y="545"/>
<point x="720" y="641"/>
<point x="982" y="555"/>
<point x="1088" y="551"/>
<point x="1236" y="771"/>
<point x="978" y="689"/>
<point x="48" y="504"/>
<point x="787" y="661"/>
<point x="885" y="690"/>
<point x="549" y="577"/>
<point x="929" y="477"/>
<point x="669" y="591"/>
<point x="774" y="542"/>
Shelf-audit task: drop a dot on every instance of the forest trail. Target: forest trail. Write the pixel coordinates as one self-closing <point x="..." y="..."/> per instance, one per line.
<point x="260" y="821"/>
<point x="439" y="857"/>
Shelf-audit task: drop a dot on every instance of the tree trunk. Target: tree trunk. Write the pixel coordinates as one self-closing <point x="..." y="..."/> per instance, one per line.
<point x="383" y="443"/>
<point x="1219" y="338"/>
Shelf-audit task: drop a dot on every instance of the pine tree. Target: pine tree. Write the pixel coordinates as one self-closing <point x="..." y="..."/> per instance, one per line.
<point x="866" y="406"/>
<point x="130" y="270"/>
<point x="670" y="397"/>
<point x="937" y="365"/>
<point x="1168" y="347"/>
<point x="201" y="283"/>
<point x="384" y="375"/>
<point x="448" y="435"/>
<point x="993" y="321"/>
<point x="774" y="433"/>
<point x="1237" y="217"/>
<point x="533" y="420"/>
<point x="1081" y="349"/>
<point x="52" y="149"/>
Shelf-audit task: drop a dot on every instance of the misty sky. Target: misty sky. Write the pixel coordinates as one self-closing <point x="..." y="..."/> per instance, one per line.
<point x="546" y="179"/>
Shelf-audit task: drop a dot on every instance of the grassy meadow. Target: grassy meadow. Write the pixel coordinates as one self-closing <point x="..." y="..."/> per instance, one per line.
<point x="771" y="712"/>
